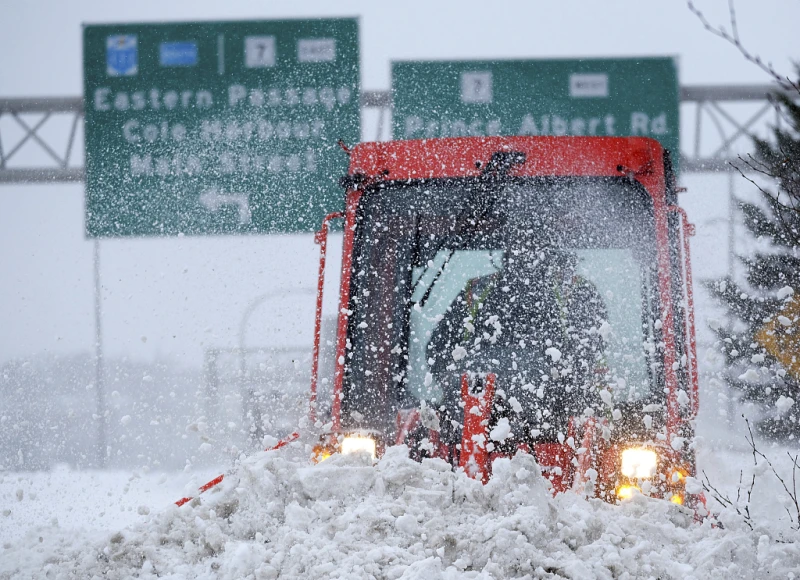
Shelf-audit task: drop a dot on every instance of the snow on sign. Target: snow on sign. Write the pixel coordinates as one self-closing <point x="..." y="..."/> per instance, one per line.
<point x="620" y="96"/>
<point x="205" y="128"/>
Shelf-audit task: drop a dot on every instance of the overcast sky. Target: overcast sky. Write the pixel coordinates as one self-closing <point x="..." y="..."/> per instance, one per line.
<point x="40" y="41"/>
<point x="175" y="297"/>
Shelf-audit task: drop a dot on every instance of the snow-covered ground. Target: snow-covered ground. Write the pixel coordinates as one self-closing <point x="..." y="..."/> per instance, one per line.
<point x="274" y="515"/>
<point x="42" y="512"/>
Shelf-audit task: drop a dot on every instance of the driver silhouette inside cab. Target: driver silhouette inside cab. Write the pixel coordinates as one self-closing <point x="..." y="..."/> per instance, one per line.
<point x="538" y="326"/>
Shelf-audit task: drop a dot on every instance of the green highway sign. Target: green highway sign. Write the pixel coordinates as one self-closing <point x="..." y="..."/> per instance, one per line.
<point x="217" y="127"/>
<point x="619" y="96"/>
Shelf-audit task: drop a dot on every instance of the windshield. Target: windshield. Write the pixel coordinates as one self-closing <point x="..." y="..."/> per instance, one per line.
<point x="546" y="282"/>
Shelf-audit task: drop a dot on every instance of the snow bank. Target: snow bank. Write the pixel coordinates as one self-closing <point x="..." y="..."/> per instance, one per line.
<point x="276" y="516"/>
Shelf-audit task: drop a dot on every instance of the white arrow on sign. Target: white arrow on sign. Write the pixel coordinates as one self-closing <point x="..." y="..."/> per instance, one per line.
<point x="212" y="200"/>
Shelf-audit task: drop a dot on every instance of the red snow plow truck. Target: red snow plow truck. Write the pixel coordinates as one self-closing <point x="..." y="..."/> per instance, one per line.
<point x="513" y="294"/>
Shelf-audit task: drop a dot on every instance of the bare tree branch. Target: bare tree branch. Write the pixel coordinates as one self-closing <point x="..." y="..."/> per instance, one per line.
<point x="770" y="166"/>
<point x="744" y="511"/>
<point x="733" y="37"/>
<point x="725" y="501"/>
<point x="790" y="206"/>
<point x="795" y="519"/>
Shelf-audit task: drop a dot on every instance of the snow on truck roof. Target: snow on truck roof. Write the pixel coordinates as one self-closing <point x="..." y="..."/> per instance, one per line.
<point x="637" y="157"/>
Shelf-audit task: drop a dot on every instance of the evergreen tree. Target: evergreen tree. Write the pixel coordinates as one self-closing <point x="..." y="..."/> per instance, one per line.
<point x="771" y="272"/>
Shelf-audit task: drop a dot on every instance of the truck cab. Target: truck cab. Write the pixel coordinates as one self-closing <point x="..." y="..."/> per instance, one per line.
<point x="517" y="294"/>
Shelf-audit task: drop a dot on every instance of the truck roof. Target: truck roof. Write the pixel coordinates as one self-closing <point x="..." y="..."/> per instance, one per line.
<point x="640" y="158"/>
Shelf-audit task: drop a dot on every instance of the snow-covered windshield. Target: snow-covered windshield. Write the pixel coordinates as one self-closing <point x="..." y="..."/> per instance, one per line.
<point x="546" y="282"/>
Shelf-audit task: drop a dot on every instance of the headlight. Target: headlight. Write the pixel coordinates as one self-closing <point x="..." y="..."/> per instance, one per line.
<point x="626" y="491"/>
<point x="356" y="443"/>
<point x="639" y="463"/>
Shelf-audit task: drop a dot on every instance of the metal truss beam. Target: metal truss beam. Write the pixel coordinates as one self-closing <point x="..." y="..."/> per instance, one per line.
<point x="42" y="175"/>
<point x="709" y="103"/>
<point x="56" y="166"/>
<point x="56" y="159"/>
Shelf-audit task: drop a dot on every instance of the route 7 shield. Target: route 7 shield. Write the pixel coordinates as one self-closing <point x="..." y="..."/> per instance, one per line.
<point x="122" y="55"/>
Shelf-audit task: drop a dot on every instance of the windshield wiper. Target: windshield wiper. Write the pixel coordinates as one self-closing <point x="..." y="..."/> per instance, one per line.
<point x="421" y="302"/>
<point x="495" y="172"/>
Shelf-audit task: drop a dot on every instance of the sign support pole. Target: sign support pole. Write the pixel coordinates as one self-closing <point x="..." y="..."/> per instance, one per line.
<point x="98" y="361"/>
